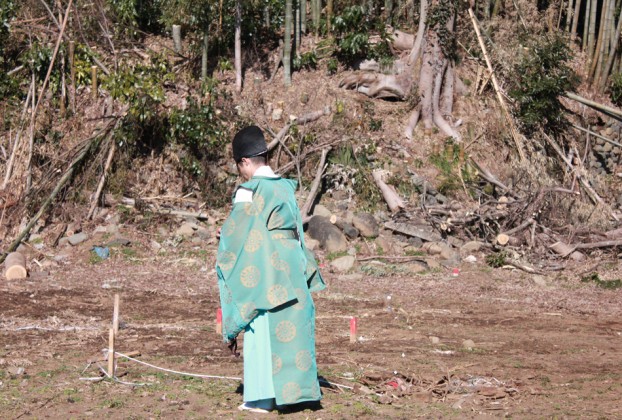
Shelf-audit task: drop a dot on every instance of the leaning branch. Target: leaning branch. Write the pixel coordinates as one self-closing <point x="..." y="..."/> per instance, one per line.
<point x="315" y="186"/>
<point x="310" y="117"/>
<point x="91" y="143"/>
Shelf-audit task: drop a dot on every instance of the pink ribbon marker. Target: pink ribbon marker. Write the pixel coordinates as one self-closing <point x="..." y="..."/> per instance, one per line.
<point x="219" y="321"/>
<point x="353" y="329"/>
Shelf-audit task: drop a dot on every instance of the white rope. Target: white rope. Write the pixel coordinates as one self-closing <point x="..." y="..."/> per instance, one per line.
<point x="196" y="375"/>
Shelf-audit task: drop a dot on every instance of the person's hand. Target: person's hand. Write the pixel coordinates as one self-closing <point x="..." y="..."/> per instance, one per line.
<point x="232" y="345"/>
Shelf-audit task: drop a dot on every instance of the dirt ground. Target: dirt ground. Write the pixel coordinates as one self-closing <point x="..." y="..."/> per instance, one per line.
<point x="541" y="347"/>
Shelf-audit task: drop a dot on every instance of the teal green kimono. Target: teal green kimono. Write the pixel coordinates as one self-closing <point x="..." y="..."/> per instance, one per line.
<point x="263" y="267"/>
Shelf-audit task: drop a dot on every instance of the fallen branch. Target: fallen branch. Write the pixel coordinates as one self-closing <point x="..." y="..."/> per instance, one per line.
<point x="613" y="112"/>
<point x="92" y="142"/>
<point x="389" y="194"/>
<point x="102" y="181"/>
<point x="506" y="112"/>
<point x="290" y="165"/>
<point x="312" y="116"/>
<point x="306" y="208"/>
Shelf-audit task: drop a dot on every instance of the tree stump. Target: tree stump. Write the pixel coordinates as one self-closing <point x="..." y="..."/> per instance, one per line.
<point x="15" y="266"/>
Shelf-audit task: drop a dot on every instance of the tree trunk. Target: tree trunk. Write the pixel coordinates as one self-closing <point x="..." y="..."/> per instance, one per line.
<point x="575" y="19"/>
<point x="388" y="11"/>
<point x="329" y="16"/>
<point x="303" y="16"/>
<point x="297" y="28"/>
<point x="287" y="44"/>
<point x="423" y="10"/>
<point x="204" y="49"/>
<point x="238" y="45"/>
<point x="266" y="16"/>
<point x="591" y="35"/>
<point x="612" y="56"/>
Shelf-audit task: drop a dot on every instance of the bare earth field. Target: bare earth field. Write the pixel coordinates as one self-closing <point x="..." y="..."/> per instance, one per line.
<point x="550" y="348"/>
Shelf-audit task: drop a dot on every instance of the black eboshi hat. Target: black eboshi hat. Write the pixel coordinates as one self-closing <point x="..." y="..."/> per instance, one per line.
<point x="249" y="142"/>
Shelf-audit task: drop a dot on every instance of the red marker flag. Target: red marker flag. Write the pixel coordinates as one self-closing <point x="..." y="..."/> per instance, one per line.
<point x="353" y="329"/>
<point x="219" y="321"/>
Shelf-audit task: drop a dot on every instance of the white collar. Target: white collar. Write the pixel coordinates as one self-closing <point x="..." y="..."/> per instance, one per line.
<point x="265" y="171"/>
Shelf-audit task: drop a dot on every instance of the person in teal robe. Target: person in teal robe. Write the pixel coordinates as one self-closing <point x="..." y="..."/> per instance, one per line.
<point x="265" y="277"/>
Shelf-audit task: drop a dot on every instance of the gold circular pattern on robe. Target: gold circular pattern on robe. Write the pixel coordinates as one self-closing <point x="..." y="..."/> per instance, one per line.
<point x="253" y="241"/>
<point x="248" y="311"/>
<point x="277" y="295"/>
<point x="277" y="364"/>
<point x="304" y="360"/>
<point x="302" y="299"/>
<point x="226" y="260"/>
<point x="291" y="392"/>
<point x="256" y="207"/>
<point x="278" y="263"/>
<point x="285" y="331"/>
<point x="250" y="276"/>
<point x="228" y="227"/>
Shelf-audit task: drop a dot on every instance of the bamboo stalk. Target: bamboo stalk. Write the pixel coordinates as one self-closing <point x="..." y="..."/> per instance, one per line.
<point x="513" y="129"/>
<point x="72" y="73"/>
<point x="612" y="56"/>
<point x="615" y="113"/>
<point x="238" y="45"/>
<point x="575" y="19"/>
<point x="569" y="10"/>
<point x="591" y="41"/>
<point x="586" y="25"/>
<point x="287" y="44"/>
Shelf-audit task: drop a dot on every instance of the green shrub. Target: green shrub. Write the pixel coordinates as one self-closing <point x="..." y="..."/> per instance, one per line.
<point x="541" y="76"/>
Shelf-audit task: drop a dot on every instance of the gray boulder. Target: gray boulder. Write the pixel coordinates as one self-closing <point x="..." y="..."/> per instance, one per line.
<point x="329" y="235"/>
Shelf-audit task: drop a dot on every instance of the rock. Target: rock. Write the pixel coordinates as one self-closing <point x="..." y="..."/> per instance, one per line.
<point x="77" y="238"/>
<point x="155" y="245"/>
<point x="350" y="231"/>
<point x="424" y="232"/>
<point x="539" y="280"/>
<point x="607" y="147"/>
<point x="204" y="233"/>
<point x="343" y="264"/>
<point x="448" y="253"/>
<point x="470" y="259"/>
<point x="186" y="230"/>
<point x="383" y="245"/>
<point x="415" y="242"/>
<point x="451" y="263"/>
<point x="119" y="241"/>
<point x="366" y="224"/>
<point x="348" y="217"/>
<point x="412" y="250"/>
<point x="113" y="229"/>
<point x="455" y="242"/>
<point x="578" y="256"/>
<point x="329" y="235"/>
<point x="470" y="247"/>
<point x="468" y="344"/>
<point x="415" y="267"/>
<point x="100" y="230"/>
<point x="277" y="113"/>
<point x="433" y="248"/>
<point x="16" y="371"/>
<point x="432" y="263"/>
<point x="440" y="198"/>
<point x="312" y="244"/>
<point x="61" y="242"/>
<point x="320" y="210"/>
<point x="434" y="340"/>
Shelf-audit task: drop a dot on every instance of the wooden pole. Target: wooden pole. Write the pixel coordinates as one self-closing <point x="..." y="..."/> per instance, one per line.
<point x="111" y="353"/>
<point x="94" y="82"/>
<point x="115" y="314"/>
<point x="177" y="38"/>
<point x="72" y="75"/>
<point x="15" y="266"/>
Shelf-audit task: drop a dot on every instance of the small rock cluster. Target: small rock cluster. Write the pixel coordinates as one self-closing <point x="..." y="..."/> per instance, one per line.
<point x="606" y="157"/>
<point x="344" y="235"/>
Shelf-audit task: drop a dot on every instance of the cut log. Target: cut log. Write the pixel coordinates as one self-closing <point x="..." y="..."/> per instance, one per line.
<point x="15" y="266"/>
<point x="503" y="239"/>
<point x="391" y="197"/>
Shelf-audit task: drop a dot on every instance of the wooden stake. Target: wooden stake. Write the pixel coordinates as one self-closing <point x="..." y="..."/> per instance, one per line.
<point x="94" y="82"/>
<point x="15" y="266"/>
<point x="111" y="358"/>
<point x="115" y="314"/>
